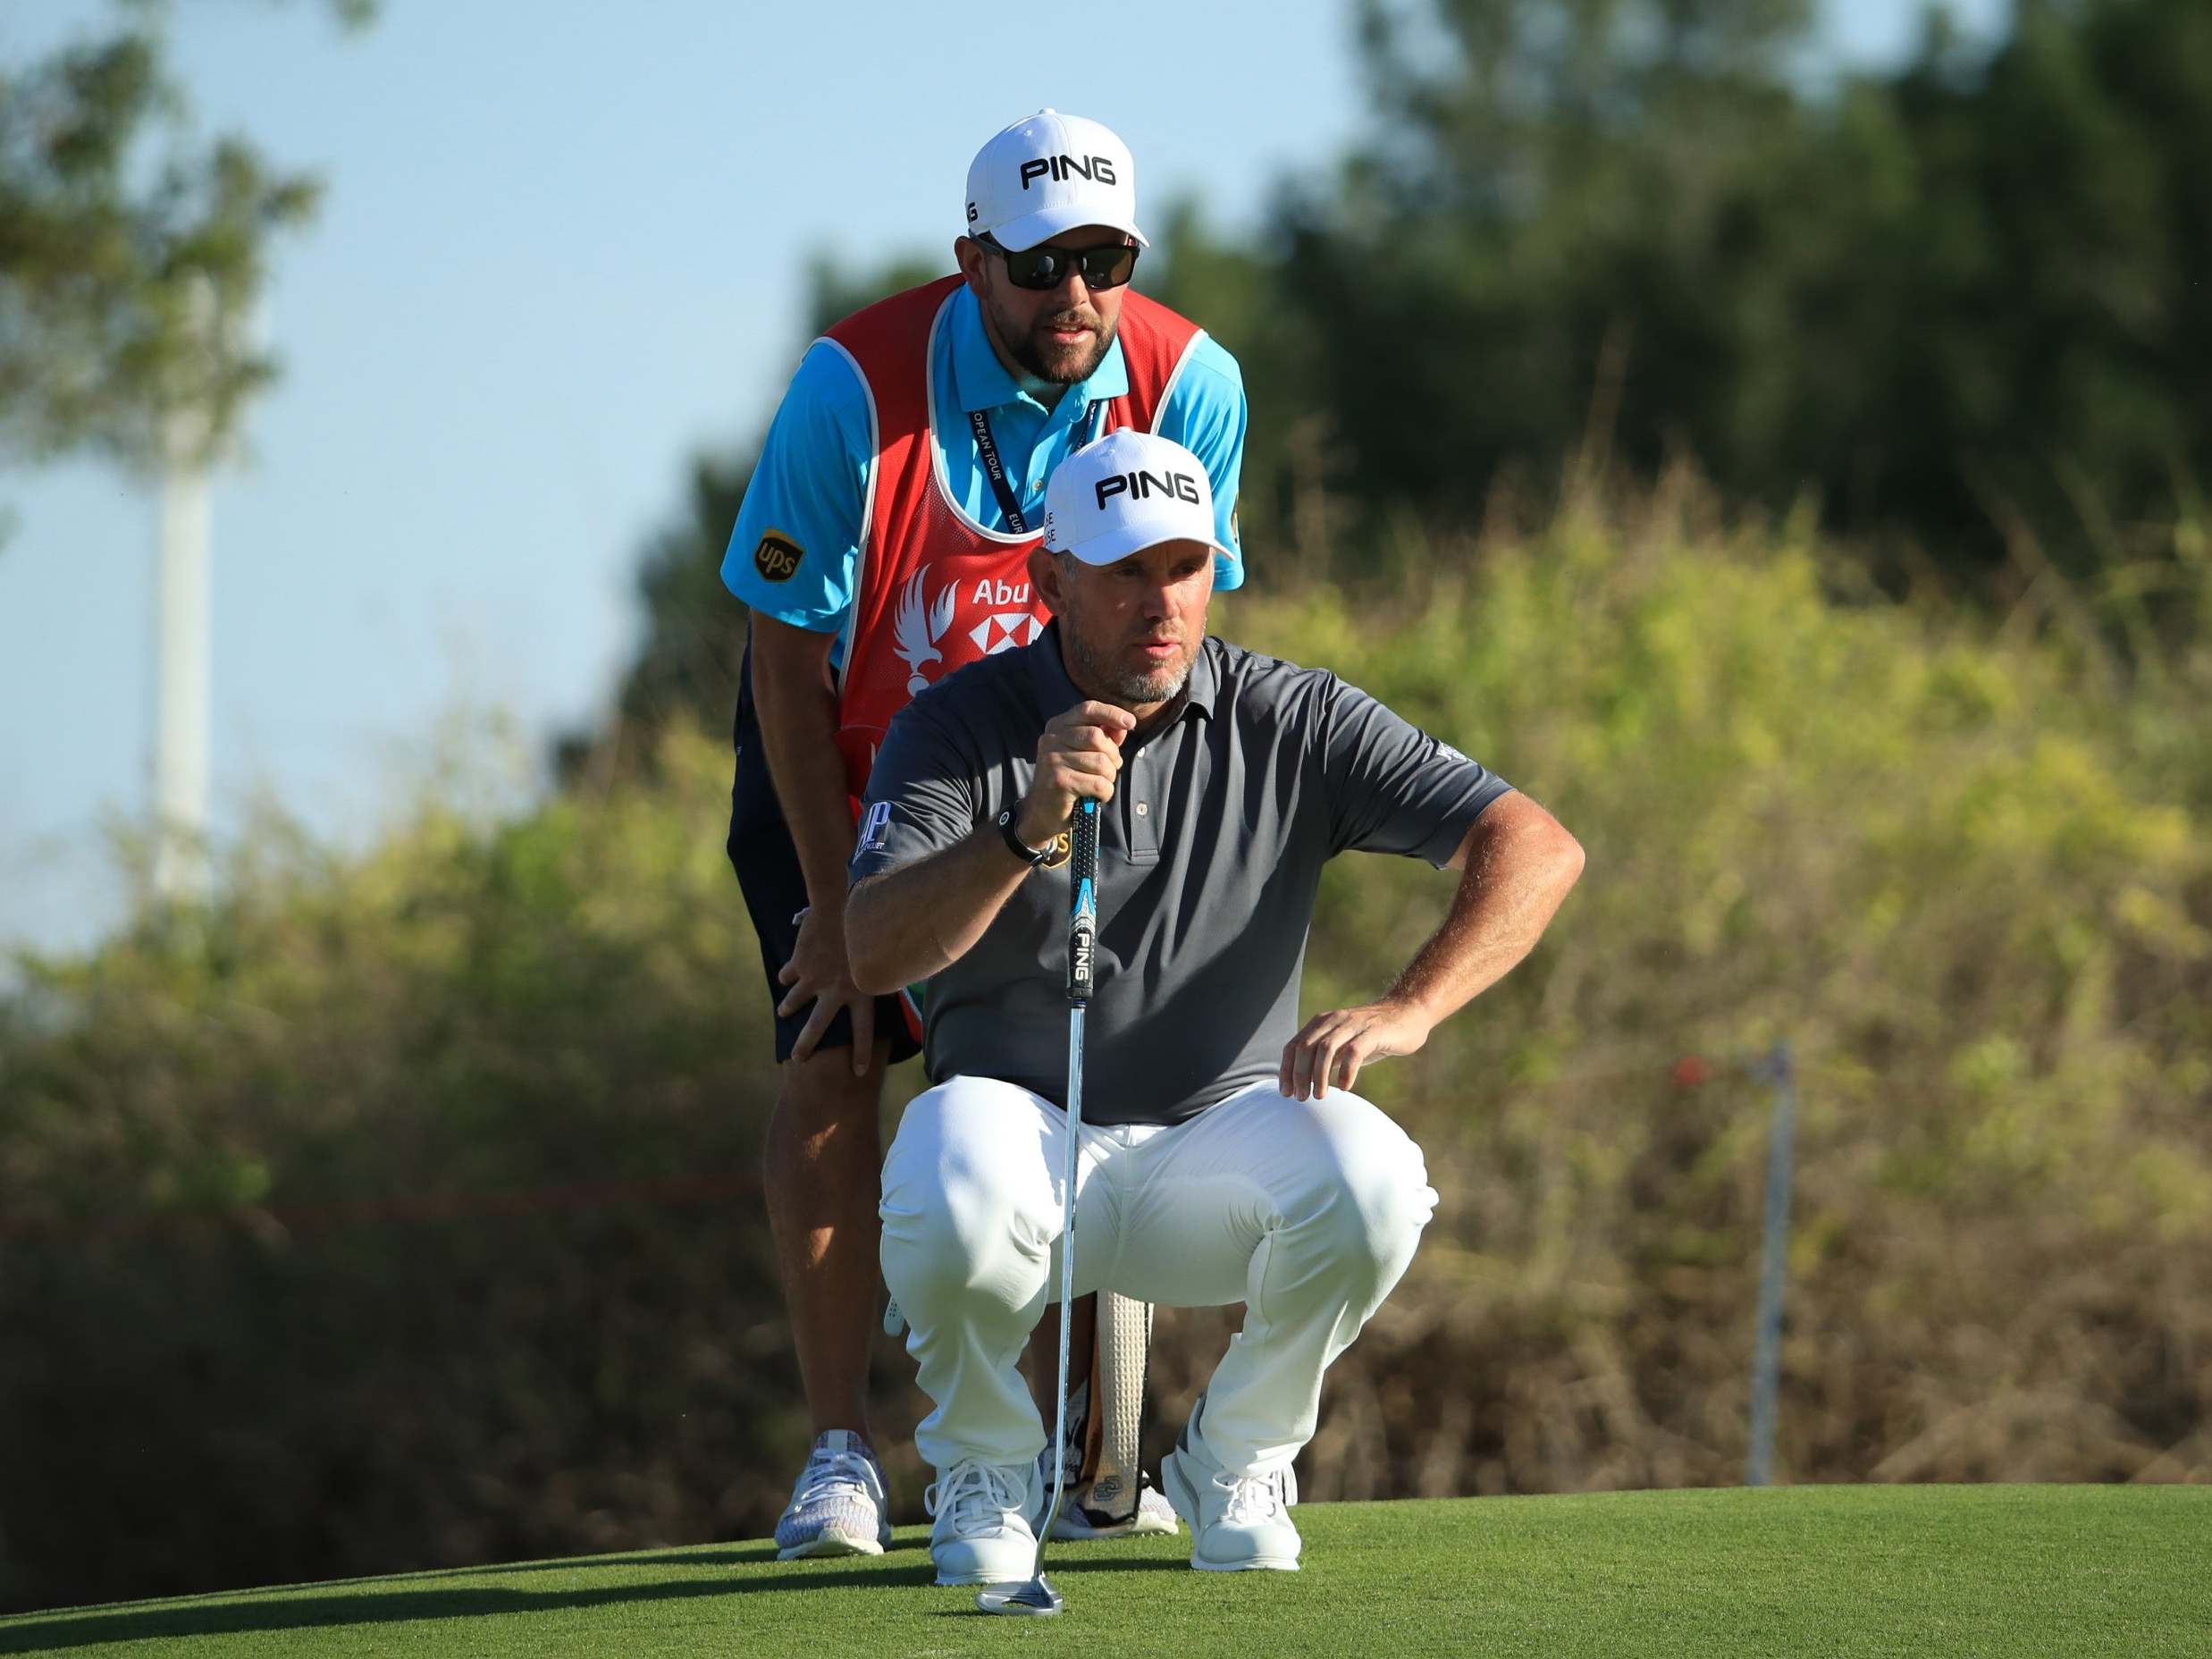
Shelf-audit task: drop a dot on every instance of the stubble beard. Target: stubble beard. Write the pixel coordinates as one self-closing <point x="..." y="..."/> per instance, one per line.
<point x="1126" y="688"/>
<point x="1058" y="366"/>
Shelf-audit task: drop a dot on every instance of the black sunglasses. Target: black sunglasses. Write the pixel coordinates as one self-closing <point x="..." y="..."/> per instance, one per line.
<point x="1109" y="265"/>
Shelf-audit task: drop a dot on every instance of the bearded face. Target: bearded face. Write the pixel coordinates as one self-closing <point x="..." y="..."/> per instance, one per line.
<point x="1061" y="346"/>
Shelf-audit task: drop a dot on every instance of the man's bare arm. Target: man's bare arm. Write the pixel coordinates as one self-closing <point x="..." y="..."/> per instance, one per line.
<point x="1515" y="865"/>
<point x="910" y="922"/>
<point x="797" y="708"/>
<point x="906" y="924"/>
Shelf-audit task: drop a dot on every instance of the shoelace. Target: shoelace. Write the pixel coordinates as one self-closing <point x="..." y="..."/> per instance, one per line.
<point x="830" y="1474"/>
<point x="971" y="1484"/>
<point x="1252" y="1498"/>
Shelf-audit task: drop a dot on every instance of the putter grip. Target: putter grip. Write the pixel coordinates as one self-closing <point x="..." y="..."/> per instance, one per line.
<point x="1082" y="913"/>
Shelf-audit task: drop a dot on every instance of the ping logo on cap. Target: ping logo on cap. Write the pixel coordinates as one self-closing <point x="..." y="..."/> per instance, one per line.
<point x="1097" y="169"/>
<point x="1137" y="485"/>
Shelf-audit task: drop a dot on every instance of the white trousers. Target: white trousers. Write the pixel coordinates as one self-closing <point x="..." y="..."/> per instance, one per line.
<point x="1306" y="1212"/>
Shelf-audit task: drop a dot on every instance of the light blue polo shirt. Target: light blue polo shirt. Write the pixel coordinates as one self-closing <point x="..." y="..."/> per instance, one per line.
<point x="812" y="476"/>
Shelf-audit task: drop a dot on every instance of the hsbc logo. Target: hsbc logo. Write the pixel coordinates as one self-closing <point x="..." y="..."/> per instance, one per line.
<point x="1003" y="630"/>
<point x="1059" y="169"/>
<point x="1137" y="485"/>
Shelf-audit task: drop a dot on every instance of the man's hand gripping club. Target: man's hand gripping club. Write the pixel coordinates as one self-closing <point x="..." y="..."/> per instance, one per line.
<point x="1079" y="757"/>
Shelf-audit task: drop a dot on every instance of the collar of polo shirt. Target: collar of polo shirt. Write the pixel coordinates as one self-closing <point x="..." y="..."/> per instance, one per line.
<point x="984" y="382"/>
<point x="1056" y="691"/>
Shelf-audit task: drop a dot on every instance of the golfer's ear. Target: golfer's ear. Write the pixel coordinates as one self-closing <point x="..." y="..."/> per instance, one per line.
<point x="1045" y="576"/>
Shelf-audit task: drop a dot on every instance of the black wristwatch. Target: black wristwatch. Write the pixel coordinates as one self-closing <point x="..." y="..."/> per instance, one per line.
<point x="1030" y="855"/>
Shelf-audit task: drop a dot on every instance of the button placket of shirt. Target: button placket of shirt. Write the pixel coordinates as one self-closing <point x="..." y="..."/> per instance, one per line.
<point x="1141" y="816"/>
<point x="1054" y="434"/>
<point x="1034" y="470"/>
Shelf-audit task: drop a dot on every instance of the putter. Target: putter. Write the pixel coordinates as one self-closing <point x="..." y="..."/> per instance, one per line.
<point x="1038" y="1596"/>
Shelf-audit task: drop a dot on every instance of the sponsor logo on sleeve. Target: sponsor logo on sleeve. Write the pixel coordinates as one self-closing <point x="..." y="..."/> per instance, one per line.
<point x="777" y="558"/>
<point x="876" y="827"/>
<point x="1062" y="850"/>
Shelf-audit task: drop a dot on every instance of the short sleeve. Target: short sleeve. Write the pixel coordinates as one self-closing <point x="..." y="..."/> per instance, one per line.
<point x="796" y="542"/>
<point x="1392" y="787"/>
<point x="1205" y="413"/>
<point x="921" y="797"/>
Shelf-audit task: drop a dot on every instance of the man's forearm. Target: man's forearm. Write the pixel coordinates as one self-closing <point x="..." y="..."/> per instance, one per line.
<point x="797" y="710"/>
<point x="1519" y="864"/>
<point x="906" y="924"/>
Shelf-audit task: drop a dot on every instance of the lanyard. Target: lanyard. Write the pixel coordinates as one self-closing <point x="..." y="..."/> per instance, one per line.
<point x="995" y="468"/>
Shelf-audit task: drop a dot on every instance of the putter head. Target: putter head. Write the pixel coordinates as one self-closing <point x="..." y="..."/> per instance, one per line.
<point x="1035" y="1599"/>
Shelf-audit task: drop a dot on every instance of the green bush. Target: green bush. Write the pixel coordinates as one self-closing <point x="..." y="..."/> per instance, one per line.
<point x="1963" y="872"/>
<point x="403" y="1210"/>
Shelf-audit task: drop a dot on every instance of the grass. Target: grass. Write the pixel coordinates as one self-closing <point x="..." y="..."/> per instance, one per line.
<point x="1840" y="1571"/>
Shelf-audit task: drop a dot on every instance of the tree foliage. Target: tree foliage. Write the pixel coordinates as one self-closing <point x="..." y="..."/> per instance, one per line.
<point x="131" y="255"/>
<point x="1954" y="302"/>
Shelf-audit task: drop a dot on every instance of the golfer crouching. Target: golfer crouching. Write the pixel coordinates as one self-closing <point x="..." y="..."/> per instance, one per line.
<point x="1224" y="1156"/>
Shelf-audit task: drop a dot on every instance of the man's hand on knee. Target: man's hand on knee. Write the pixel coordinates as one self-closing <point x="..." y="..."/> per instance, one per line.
<point x="1331" y="1047"/>
<point x="819" y="973"/>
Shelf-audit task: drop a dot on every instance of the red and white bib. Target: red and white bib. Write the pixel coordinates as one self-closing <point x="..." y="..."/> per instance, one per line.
<point x="935" y="590"/>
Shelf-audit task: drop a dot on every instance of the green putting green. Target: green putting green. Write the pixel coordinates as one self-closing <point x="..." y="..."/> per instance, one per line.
<point x="1831" y="1571"/>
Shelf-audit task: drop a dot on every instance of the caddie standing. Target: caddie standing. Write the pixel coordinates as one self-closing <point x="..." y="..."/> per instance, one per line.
<point x="883" y="543"/>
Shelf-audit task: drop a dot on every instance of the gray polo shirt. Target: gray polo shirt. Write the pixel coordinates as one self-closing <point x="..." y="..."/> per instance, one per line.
<point x="1209" y="856"/>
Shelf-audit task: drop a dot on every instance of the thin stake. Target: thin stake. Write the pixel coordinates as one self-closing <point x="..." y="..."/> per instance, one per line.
<point x="1766" y="1368"/>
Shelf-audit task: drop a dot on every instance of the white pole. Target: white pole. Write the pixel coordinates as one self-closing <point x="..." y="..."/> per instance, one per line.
<point x="182" y="652"/>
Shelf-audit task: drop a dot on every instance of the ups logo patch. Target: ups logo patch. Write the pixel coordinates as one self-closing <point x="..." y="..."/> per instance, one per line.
<point x="777" y="558"/>
<point x="1062" y="850"/>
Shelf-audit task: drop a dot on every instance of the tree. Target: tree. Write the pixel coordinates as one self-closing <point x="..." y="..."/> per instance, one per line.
<point x="124" y="289"/>
<point x="1958" y="302"/>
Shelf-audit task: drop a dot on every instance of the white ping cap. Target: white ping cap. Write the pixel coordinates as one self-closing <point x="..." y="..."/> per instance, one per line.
<point x="1048" y="173"/>
<point x="1128" y="491"/>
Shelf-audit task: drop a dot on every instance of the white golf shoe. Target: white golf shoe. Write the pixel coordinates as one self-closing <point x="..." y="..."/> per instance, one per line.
<point x="838" y="1506"/>
<point x="985" y="1531"/>
<point x="1238" y="1523"/>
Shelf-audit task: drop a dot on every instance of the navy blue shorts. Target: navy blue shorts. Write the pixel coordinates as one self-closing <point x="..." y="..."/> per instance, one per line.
<point x="766" y="864"/>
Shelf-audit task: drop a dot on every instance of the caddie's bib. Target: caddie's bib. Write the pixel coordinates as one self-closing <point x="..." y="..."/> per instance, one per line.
<point x="935" y="590"/>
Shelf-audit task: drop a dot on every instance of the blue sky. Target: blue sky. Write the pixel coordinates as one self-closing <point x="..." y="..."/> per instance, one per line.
<point x="554" y="262"/>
